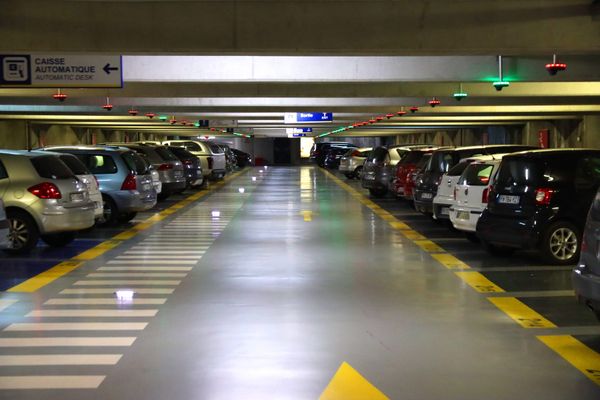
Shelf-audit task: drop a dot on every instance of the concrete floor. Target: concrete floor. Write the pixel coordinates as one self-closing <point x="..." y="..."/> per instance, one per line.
<point x="297" y="277"/>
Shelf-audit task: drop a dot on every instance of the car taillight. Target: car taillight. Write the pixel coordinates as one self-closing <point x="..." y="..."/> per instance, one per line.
<point x="45" y="190"/>
<point x="130" y="183"/>
<point x="356" y="153"/>
<point x="97" y="183"/>
<point x="210" y="162"/>
<point x="455" y="193"/>
<point x="543" y="196"/>
<point x="485" y="196"/>
<point x="165" y="166"/>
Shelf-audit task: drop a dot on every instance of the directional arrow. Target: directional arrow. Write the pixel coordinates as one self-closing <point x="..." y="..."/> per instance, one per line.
<point x="107" y="68"/>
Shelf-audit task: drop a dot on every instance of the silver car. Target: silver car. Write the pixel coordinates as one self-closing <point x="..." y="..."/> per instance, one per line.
<point x="351" y="163"/>
<point x="4" y="230"/>
<point x="212" y="158"/>
<point x="43" y="199"/>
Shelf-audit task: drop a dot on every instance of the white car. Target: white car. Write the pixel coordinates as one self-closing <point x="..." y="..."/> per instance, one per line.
<point x="4" y="228"/>
<point x="212" y="158"/>
<point x="351" y="163"/>
<point x="89" y="180"/>
<point x="471" y="194"/>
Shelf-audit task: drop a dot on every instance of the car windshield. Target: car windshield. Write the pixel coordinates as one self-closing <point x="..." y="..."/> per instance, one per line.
<point x="51" y="167"/>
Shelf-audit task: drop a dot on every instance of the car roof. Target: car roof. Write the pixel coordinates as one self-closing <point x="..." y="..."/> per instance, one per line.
<point x="26" y="153"/>
<point x="540" y="153"/>
<point x="110" y="148"/>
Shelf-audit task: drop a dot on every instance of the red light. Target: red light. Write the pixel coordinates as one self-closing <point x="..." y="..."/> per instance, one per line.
<point x="133" y="112"/>
<point x="130" y="183"/>
<point x="173" y="121"/>
<point x="401" y="113"/>
<point x="388" y="116"/>
<point x="553" y="68"/>
<point x="414" y="109"/>
<point x="372" y="121"/>
<point x="165" y="167"/>
<point x="485" y="196"/>
<point x="434" y="102"/>
<point x="379" y="118"/>
<point x="150" y="115"/>
<point x="45" y="190"/>
<point x="108" y="106"/>
<point x="59" y="96"/>
<point x="543" y="196"/>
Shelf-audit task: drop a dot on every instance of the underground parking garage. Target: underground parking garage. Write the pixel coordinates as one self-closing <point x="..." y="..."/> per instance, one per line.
<point x="299" y="200"/>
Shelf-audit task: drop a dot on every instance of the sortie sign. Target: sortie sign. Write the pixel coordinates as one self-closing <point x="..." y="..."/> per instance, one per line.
<point x="61" y="71"/>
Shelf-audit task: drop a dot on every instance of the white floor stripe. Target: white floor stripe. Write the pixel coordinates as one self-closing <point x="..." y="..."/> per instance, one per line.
<point x="134" y="269"/>
<point x="101" y="301"/>
<point x="182" y="252"/>
<point x="119" y="283"/>
<point x="77" y="326"/>
<point x="51" y="382"/>
<point x="59" y="359"/>
<point x="91" y="313"/>
<point x="172" y="246"/>
<point x="112" y="291"/>
<point x="142" y="261"/>
<point x="167" y="257"/>
<point x="68" y="342"/>
<point x="5" y="303"/>
<point x="136" y="275"/>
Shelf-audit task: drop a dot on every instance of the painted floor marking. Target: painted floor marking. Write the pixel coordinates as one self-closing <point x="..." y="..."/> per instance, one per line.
<point x="68" y="342"/>
<point x="521" y="313"/>
<point x="576" y="353"/>
<point x="77" y="326"/>
<point x="119" y="283"/>
<point x="449" y="261"/>
<point x="136" y="275"/>
<point x="146" y="256"/>
<point x="46" y="277"/>
<point x="479" y="282"/>
<point x="51" y="382"/>
<point x="134" y="262"/>
<point x="87" y="291"/>
<point x="349" y="384"/>
<point x="91" y="313"/>
<point x="59" y="359"/>
<point x="107" y="301"/>
<point x="5" y="303"/>
<point x="142" y="268"/>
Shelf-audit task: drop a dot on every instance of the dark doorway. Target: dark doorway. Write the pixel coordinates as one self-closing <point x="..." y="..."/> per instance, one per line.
<point x="282" y="151"/>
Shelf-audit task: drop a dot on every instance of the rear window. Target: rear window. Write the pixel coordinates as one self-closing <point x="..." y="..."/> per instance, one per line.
<point x="458" y="168"/>
<point x="149" y="154"/>
<point x="135" y="163"/>
<point x="476" y="175"/>
<point x="51" y="167"/>
<point x="379" y="154"/>
<point x="215" y="148"/>
<point x="441" y="162"/>
<point x="75" y="164"/>
<point x="181" y="152"/>
<point x="518" y="172"/>
<point x="166" y="154"/>
<point x="98" y="164"/>
<point x="424" y="161"/>
<point x="412" y="157"/>
<point x="191" y="146"/>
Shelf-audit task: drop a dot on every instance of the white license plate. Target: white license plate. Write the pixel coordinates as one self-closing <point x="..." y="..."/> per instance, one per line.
<point x="369" y="177"/>
<point x="444" y="211"/>
<point x="77" y="197"/>
<point x="178" y="174"/>
<point x="462" y="215"/>
<point x="426" y="195"/>
<point x="507" y="199"/>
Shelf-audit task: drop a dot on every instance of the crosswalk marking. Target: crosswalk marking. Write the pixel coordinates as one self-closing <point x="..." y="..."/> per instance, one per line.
<point x="51" y="382"/>
<point x="152" y="261"/>
<point x="91" y="313"/>
<point x="167" y="257"/>
<point x="137" y="275"/>
<point x="112" y="291"/>
<point x="101" y="301"/>
<point x="77" y="326"/>
<point x="59" y="359"/>
<point x="121" y="282"/>
<point x="142" y="268"/>
<point x="67" y="342"/>
<point x="5" y="303"/>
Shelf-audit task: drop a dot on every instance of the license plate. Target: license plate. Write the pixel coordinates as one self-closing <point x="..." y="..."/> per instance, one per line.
<point x="426" y="195"/>
<point x="178" y="174"/>
<point x="444" y="211"/>
<point x="146" y="186"/>
<point x="77" y="197"/>
<point x="462" y="215"/>
<point x="507" y="199"/>
<point x="369" y="177"/>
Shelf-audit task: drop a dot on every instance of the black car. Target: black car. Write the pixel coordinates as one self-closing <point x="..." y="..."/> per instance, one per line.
<point x="191" y="166"/>
<point x="442" y="160"/>
<point x="539" y="200"/>
<point x="319" y="150"/>
<point x="243" y="159"/>
<point x="333" y="155"/>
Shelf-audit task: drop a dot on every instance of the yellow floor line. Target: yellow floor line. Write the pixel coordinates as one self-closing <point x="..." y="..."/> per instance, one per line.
<point x="576" y="353"/>
<point x="449" y="261"/>
<point x="59" y="270"/>
<point x="479" y="282"/>
<point x="521" y="313"/>
<point x="349" y="384"/>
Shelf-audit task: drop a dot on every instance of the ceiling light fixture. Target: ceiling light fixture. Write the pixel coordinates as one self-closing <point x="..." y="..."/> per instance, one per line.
<point x="434" y="102"/>
<point x="150" y="115"/>
<point x="500" y="83"/>
<point x="414" y="109"/>
<point x="555" y="66"/>
<point x="458" y="96"/>
<point x="107" y="106"/>
<point x="133" y="112"/>
<point x="401" y="112"/>
<point x="59" y="96"/>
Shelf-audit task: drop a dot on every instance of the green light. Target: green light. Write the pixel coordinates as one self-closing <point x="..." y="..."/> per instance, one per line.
<point x="460" y="95"/>
<point x="163" y="117"/>
<point x="499" y="85"/>
<point x="197" y="124"/>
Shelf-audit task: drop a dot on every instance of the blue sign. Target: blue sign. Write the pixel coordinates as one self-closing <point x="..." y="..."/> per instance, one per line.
<point x="298" y="134"/>
<point x="292" y="118"/>
<point x="290" y="131"/>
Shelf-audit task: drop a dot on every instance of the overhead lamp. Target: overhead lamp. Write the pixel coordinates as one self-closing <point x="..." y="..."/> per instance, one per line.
<point x="107" y="106"/>
<point x="414" y="109"/>
<point x="379" y="118"/>
<point x="133" y="112"/>
<point x="59" y="96"/>
<point x="372" y="121"/>
<point x="458" y="96"/>
<point x="555" y="66"/>
<point x="388" y="116"/>
<point x="500" y="83"/>
<point x="434" y="102"/>
<point x="163" y="117"/>
<point x="150" y="115"/>
<point x="401" y="112"/>
<point x="172" y="121"/>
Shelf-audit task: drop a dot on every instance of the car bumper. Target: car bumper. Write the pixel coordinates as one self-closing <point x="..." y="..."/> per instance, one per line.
<point x="133" y="201"/>
<point x="441" y="209"/>
<point x="587" y="286"/>
<point x="508" y="231"/>
<point x="98" y="208"/>
<point x="422" y="202"/>
<point x="467" y="221"/>
<point x="174" y="186"/>
<point x="216" y="174"/>
<point x="61" y="219"/>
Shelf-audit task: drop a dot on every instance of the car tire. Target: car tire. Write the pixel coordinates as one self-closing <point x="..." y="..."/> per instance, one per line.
<point x="24" y="232"/>
<point x="378" y="193"/>
<point x="358" y="172"/>
<point x="126" y="217"/>
<point x="58" y="239"/>
<point x="472" y="237"/>
<point x="110" y="211"/>
<point x="498" y="251"/>
<point x="561" y="243"/>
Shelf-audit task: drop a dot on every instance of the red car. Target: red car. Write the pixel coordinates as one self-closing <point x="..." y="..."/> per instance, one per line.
<point x="403" y="183"/>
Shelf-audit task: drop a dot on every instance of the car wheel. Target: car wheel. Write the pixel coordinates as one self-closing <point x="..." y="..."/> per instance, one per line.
<point x="126" y="217"/>
<point x="358" y="172"/>
<point x="377" y="192"/>
<point x="499" y="251"/>
<point x="23" y="232"/>
<point x="110" y="211"/>
<point x="58" y="239"/>
<point x="472" y="237"/>
<point x="560" y="243"/>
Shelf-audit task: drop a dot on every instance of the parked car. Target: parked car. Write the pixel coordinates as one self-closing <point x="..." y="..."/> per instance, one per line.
<point x="124" y="178"/>
<point x="169" y="167"/>
<point x="380" y="167"/>
<point x="4" y="228"/>
<point x="351" y="163"/>
<point x="586" y="275"/>
<point x="441" y="161"/>
<point x="319" y="150"/>
<point x="191" y="166"/>
<point x="471" y="194"/>
<point x="230" y="159"/>
<point x="243" y="159"/>
<point x="411" y="178"/>
<point x="539" y="200"/>
<point x="43" y="199"/>
<point x="405" y="167"/>
<point x="333" y="155"/>
<point x="211" y="157"/>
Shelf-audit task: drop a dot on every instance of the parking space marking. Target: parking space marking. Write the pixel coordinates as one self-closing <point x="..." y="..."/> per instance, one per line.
<point x="91" y="313"/>
<point x="449" y="261"/>
<point x="349" y="384"/>
<point x="105" y="301"/>
<point x="537" y="293"/>
<point x="429" y="246"/>
<point x="46" y="277"/>
<point x="479" y="282"/>
<point x="123" y="341"/>
<point x="520" y="313"/>
<point x="152" y="261"/>
<point x="51" y="382"/>
<point x="59" y="359"/>
<point x="576" y="353"/>
<point x="76" y="326"/>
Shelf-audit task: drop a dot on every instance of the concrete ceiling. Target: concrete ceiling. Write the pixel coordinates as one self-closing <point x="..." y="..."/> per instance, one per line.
<point x="246" y="76"/>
